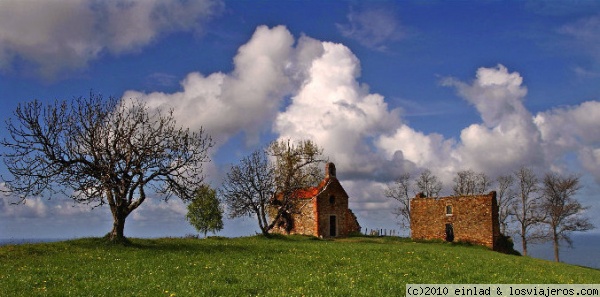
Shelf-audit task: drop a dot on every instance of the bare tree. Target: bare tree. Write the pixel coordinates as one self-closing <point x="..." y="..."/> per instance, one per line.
<point x="428" y="184"/>
<point x="249" y="187"/>
<point x="400" y="190"/>
<point x="482" y="183"/>
<point x="506" y="196"/>
<point x="563" y="211"/>
<point x="468" y="182"/>
<point x="102" y="151"/>
<point x="270" y="180"/>
<point x="527" y="210"/>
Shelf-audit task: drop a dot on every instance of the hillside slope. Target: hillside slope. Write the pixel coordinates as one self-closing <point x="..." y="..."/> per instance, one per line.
<point x="281" y="266"/>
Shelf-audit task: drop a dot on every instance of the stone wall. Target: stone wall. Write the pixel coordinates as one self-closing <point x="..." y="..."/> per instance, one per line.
<point x="304" y="219"/>
<point x="472" y="218"/>
<point x="352" y="225"/>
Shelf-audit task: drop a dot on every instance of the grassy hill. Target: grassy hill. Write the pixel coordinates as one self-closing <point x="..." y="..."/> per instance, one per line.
<point x="283" y="266"/>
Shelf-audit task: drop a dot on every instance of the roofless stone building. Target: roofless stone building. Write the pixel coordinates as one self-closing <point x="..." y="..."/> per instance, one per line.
<point x="471" y="219"/>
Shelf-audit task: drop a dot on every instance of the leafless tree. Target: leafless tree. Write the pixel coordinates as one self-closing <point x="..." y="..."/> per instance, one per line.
<point x="401" y="191"/>
<point x="271" y="179"/>
<point x="527" y="209"/>
<point x="563" y="211"/>
<point x="249" y="187"/>
<point x="428" y="184"/>
<point x="505" y="196"/>
<point x="468" y="182"/>
<point x="102" y="151"/>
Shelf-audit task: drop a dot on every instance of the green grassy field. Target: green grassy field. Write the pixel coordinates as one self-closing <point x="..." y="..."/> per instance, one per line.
<point x="282" y="266"/>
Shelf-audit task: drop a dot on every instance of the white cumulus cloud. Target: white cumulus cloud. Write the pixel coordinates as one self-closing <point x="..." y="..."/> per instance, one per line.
<point x="572" y="129"/>
<point x="244" y="100"/>
<point x="60" y="36"/>
<point x="336" y="111"/>
<point x="508" y="136"/>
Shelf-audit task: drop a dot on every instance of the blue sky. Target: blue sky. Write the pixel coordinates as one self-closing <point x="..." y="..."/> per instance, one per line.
<point x="384" y="87"/>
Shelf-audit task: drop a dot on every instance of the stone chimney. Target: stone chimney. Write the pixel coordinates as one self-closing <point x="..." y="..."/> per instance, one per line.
<point x="329" y="170"/>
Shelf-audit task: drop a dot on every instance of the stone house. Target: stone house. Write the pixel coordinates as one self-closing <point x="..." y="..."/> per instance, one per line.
<point x="322" y="211"/>
<point x="471" y="219"/>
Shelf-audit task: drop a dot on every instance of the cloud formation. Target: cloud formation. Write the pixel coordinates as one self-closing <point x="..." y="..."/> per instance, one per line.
<point x="583" y="36"/>
<point x="55" y="37"/>
<point x="366" y="138"/>
<point x="507" y="137"/>
<point x="244" y="100"/>
<point x="332" y="108"/>
<point x="572" y="130"/>
<point x="585" y="32"/>
<point x="373" y="28"/>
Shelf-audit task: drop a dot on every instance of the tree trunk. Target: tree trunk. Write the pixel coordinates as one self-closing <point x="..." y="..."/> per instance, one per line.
<point x="265" y="232"/>
<point x="556" y="252"/>
<point x="524" y="243"/>
<point x="117" y="232"/>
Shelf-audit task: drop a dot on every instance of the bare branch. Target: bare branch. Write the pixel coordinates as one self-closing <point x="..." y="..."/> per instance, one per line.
<point x="401" y="191"/>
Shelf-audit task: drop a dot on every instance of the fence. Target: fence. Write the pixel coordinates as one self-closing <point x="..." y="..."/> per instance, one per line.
<point x="381" y="232"/>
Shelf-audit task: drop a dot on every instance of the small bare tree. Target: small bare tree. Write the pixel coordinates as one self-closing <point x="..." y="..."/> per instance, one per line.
<point x="249" y="187"/>
<point x="527" y="209"/>
<point x="401" y="191"/>
<point x="428" y="184"/>
<point x="505" y="196"/>
<point x="103" y="151"/>
<point x="563" y="213"/>
<point x="468" y="182"/>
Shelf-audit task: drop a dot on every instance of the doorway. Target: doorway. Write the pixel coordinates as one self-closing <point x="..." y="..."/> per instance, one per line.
<point x="449" y="233"/>
<point x="332" y="226"/>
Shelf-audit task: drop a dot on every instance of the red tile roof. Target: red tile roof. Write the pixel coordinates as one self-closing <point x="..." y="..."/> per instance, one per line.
<point x="311" y="192"/>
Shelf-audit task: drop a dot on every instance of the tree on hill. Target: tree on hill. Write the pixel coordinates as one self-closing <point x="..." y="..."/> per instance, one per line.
<point x="401" y="191"/>
<point x="563" y="213"/>
<point x="249" y="187"/>
<point x="505" y="196"/>
<point x="205" y="212"/>
<point x="468" y="182"/>
<point x="270" y="178"/>
<point x="526" y="210"/>
<point x="428" y="184"/>
<point x="100" y="151"/>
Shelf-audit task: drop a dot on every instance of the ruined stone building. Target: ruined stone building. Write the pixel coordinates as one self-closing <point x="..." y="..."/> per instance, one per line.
<point x="471" y="219"/>
<point x="322" y="210"/>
